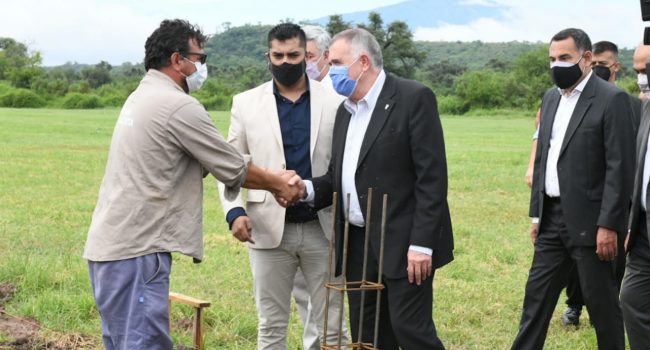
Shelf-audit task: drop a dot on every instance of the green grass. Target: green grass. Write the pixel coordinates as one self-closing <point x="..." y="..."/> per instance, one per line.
<point x="51" y="165"/>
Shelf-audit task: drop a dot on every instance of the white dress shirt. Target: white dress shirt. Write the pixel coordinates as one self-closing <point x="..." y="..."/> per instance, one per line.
<point x="562" y="117"/>
<point x="646" y="178"/>
<point x="361" y="112"/>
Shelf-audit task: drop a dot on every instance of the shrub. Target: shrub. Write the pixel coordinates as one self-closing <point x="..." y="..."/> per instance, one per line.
<point x="77" y="100"/>
<point x="21" y="98"/>
<point x="452" y="105"/>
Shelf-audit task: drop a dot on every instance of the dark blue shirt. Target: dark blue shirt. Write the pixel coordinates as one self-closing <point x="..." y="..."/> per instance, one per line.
<point x="295" y="126"/>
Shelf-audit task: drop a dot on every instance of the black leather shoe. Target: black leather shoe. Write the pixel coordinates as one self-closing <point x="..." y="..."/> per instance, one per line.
<point x="571" y="316"/>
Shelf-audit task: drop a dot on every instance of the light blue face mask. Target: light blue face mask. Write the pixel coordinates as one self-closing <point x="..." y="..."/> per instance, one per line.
<point x="341" y="81"/>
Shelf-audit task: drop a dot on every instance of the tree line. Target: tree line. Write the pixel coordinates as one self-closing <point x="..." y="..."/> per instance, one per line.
<point x="465" y="75"/>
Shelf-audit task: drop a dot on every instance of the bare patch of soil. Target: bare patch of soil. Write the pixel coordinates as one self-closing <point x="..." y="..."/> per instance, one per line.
<point x="23" y="333"/>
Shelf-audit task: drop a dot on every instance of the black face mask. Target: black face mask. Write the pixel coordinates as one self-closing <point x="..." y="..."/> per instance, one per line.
<point x="602" y="72"/>
<point x="288" y="74"/>
<point x="565" y="77"/>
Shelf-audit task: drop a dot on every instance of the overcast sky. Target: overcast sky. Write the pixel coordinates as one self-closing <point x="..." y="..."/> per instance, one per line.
<point x="88" y="31"/>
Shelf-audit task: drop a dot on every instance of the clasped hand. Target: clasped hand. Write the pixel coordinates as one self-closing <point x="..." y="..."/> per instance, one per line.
<point x="292" y="189"/>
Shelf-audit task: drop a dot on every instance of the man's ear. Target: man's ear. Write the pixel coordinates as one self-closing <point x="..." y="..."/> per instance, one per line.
<point x="617" y="66"/>
<point x="175" y="61"/>
<point x="326" y="55"/>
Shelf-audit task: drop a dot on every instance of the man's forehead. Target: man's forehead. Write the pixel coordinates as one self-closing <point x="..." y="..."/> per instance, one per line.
<point x="561" y="47"/>
<point x="194" y="45"/>
<point x="604" y="56"/>
<point x="289" y="45"/>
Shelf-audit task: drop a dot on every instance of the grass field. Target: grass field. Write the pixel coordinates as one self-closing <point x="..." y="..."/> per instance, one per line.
<point x="51" y="166"/>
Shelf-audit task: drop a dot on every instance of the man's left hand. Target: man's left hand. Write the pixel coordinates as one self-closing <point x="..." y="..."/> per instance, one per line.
<point x="606" y="244"/>
<point x="419" y="266"/>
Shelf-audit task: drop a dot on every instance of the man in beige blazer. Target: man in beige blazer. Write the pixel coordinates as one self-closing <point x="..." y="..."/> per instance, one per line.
<point x="284" y="124"/>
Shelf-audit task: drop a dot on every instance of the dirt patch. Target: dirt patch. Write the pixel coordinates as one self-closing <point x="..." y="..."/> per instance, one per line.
<point x="23" y="333"/>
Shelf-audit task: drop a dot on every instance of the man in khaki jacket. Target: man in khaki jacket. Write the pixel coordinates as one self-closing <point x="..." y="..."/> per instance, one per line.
<point x="151" y="197"/>
<point x="284" y="124"/>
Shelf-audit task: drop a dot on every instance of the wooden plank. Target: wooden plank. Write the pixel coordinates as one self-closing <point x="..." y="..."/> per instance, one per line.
<point x="197" y="303"/>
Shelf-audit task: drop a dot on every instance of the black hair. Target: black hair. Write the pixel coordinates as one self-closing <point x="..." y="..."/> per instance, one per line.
<point x="603" y="46"/>
<point x="172" y="36"/>
<point x="286" y="31"/>
<point x="581" y="39"/>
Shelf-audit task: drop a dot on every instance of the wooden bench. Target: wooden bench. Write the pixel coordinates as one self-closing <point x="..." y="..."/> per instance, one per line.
<point x="198" y="306"/>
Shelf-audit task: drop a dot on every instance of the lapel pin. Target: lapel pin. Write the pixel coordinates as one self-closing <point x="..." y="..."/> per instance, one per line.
<point x="386" y="107"/>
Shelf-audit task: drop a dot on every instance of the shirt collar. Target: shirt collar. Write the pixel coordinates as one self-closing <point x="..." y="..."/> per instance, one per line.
<point x="277" y="93"/>
<point x="578" y="89"/>
<point x="371" y="97"/>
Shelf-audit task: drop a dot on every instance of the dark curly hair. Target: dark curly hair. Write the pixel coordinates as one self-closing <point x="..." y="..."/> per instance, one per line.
<point x="172" y="36"/>
<point x="286" y="31"/>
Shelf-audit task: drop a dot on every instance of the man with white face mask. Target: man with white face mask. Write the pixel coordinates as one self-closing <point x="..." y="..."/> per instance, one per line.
<point x="151" y="197"/>
<point x="318" y="43"/>
<point x="641" y="55"/>
<point x="580" y="196"/>
<point x="635" y="291"/>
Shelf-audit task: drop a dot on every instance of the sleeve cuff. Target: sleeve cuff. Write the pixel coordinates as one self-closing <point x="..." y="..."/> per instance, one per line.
<point x="233" y="214"/>
<point x="417" y="248"/>
<point x="309" y="188"/>
<point x="534" y="220"/>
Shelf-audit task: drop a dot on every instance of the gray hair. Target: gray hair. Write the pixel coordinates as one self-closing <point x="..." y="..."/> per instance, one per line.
<point x="319" y="35"/>
<point x="361" y="41"/>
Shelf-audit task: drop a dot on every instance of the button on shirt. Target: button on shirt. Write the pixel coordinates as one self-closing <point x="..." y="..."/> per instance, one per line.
<point x="562" y="117"/>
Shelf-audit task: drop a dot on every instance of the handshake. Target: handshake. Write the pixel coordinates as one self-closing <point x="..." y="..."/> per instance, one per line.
<point x="289" y="188"/>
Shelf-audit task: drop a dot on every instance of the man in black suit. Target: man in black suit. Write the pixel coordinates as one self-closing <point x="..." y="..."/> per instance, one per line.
<point x="635" y="292"/>
<point x="604" y="64"/>
<point x="581" y="188"/>
<point x="388" y="136"/>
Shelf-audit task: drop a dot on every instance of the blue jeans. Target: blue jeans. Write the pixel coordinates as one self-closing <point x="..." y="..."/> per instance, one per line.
<point x="132" y="299"/>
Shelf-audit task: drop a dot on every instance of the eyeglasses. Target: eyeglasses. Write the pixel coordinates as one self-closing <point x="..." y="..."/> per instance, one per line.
<point x="202" y="57"/>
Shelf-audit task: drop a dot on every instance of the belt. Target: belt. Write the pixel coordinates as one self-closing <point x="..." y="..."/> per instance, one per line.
<point x="551" y="200"/>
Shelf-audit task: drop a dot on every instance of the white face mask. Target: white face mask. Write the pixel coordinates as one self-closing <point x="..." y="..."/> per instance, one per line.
<point x="196" y="79"/>
<point x="642" y="81"/>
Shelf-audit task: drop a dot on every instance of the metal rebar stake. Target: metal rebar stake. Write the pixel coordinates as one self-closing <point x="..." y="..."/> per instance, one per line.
<point x="381" y="264"/>
<point x="365" y="263"/>
<point x="329" y="269"/>
<point x="346" y="232"/>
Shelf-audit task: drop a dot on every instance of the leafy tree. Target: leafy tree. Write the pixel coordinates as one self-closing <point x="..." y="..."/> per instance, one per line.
<point x="441" y="76"/>
<point x="531" y="71"/>
<point x="336" y="25"/>
<point x="401" y="56"/>
<point x="17" y="64"/>
<point x="98" y="75"/>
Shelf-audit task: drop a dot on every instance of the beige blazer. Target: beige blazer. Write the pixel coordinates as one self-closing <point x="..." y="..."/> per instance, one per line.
<point x="255" y="131"/>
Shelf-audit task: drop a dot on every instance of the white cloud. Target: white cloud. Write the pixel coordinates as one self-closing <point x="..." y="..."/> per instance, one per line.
<point x="533" y="21"/>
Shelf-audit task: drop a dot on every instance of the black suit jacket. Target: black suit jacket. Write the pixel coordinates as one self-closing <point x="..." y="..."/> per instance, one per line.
<point x="402" y="155"/>
<point x="636" y="210"/>
<point x="635" y="104"/>
<point x="596" y="164"/>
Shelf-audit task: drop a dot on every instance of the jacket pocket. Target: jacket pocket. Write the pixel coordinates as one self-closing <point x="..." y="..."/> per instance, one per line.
<point x="256" y="196"/>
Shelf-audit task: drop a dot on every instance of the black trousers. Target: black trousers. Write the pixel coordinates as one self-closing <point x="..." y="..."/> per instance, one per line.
<point x="548" y="274"/>
<point x="573" y="292"/>
<point x="635" y="292"/>
<point x="405" y="318"/>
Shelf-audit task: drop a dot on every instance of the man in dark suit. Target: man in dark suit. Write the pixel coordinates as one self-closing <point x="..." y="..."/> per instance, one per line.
<point x="604" y="64"/>
<point x="581" y="188"/>
<point x="635" y="292"/>
<point x="388" y="136"/>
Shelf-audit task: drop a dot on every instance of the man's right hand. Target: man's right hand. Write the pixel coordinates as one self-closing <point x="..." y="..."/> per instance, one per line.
<point x="242" y="229"/>
<point x="533" y="232"/>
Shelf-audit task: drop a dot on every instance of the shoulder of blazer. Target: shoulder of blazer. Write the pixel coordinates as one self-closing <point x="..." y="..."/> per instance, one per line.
<point x="255" y="92"/>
